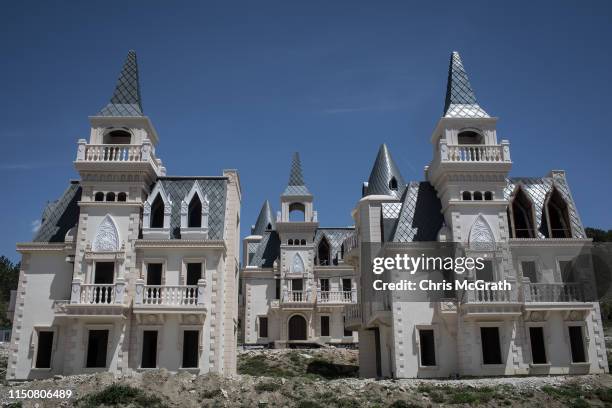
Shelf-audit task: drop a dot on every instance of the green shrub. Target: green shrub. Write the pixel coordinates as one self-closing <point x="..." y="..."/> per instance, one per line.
<point x="308" y="404"/>
<point x="463" y="397"/>
<point x="117" y="394"/>
<point x="267" y="387"/>
<point x="403" y="404"/>
<point x="604" y="394"/>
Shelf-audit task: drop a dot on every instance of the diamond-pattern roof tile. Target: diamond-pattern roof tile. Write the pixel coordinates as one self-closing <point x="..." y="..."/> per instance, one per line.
<point x="460" y="99"/>
<point x="383" y="171"/>
<point x="60" y="216"/>
<point x="126" y="99"/>
<point x="296" y="185"/>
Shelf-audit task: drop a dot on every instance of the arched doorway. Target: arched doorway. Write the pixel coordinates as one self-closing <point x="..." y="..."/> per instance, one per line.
<point x="297" y="328"/>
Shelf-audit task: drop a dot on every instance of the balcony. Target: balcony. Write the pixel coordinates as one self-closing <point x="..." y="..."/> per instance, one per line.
<point x="94" y="154"/>
<point x="336" y="297"/>
<point x="474" y="153"/>
<point x="489" y="302"/>
<point x="352" y="315"/>
<point x="297" y="299"/>
<point x="171" y="298"/>
<point x="554" y="292"/>
<point x="94" y="299"/>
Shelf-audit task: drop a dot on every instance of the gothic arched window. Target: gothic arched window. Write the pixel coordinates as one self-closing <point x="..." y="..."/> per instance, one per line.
<point x="557" y="215"/>
<point x="521" y="216"/>
<point x="157" y="213"/>
<point x="323" y="252"/>
<point x="194" y="215"/>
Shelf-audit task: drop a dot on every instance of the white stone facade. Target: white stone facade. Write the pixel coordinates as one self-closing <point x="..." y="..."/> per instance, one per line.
<point x="114" y="280"/>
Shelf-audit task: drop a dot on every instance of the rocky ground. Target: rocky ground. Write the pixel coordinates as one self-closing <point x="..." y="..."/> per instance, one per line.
<point x="311" y="379"/>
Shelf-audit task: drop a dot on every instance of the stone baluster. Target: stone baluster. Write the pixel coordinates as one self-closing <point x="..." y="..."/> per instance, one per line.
<point x="145" y="150"/>
<point x="201" y="287"/>
<point x="82" y="146"/>
<point x="119" y="291"/>
<point x="75" y="294"/>
<point x="139" y="291"/>
<point x="443" y="147"/>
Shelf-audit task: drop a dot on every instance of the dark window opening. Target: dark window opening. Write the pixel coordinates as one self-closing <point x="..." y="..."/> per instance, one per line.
<point x="297" y="285"/>
<point x="347" y="332"/>
<point x="290" y="242"/>
<point x="194" y="273"/>
<point x="45" y="349"/>
<point x="194" y="215"/>
<point x="488" y="196"/>
<point x="303" y="242"/>
<point x="324" y="325"/>
<point x="297" y="212"/>
<point x="538" y="348"/>
<point x="486" y="273"/>
<point x="269" y="226"/>
<point x="567" y="272"/>
<point x="154" y="274"/>
<point x="470" y="137"/>
<point x="157" y="213"/>
<point x="324" y="285"/>
<point x="428" y="348"/>
<point x="149" y="349"/>
<point x="529" y="271"/>
<point x="99" y="196"/>
<point x="477" y="196"/>
<point x="190" y="348"/>
<point x="346" y="285"/>
<point x="393" y="184"/>
<point x="110" y="196"/>
<point x="577" y="344"/>
<point x="121" y="197"/>
<point x="558" y="216"/>
<point x="263" y="327"/>
<point x="117" y="137"/>
<point x="104" y="272"/>
<point x="491" y="350"/>
<point x="521" y="222"/>
<point x="466" y="195"/>
<point x="323" y="252"/>
<point x="277" y="288"/>
<point x="96" y="348"/>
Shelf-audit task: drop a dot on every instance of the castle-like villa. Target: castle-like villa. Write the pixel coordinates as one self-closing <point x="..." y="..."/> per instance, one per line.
<point x="133" y="269"/>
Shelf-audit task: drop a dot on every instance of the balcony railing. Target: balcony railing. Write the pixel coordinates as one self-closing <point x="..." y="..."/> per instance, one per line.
<point x="491" y="296"/>
<point x="336" y="296"/>
<point x="554" y="292"/>
<point x="474" y="153"/>
<point x="166" y="295"/>
<point x="97" y="293"/>
<point x="113" y="153"/>
<point x="296" y="296"/>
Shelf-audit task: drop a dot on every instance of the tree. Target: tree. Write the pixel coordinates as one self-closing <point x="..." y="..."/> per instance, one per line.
<point x="9" y="279"/>
<point x="599" y="235"/>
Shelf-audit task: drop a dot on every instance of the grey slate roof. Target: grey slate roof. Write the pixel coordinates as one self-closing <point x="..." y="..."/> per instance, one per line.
<point x="537" y="189"/>
<point x="59" y="216"/>
<point x="383" y="171"/>
<point x="263" y="220"/>
<point x="213" y="187"/>
<point x="296" y="185"/>
<point x="126" y="98"/>
<point x="460" y="97"/>
<point x="335" y="237"/>
<point x="268" y="250"/>
<point x="420" y="218"/>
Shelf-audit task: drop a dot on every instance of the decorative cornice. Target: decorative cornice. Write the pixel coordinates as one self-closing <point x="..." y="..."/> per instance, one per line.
<point x="25" y="247"/>
<point x="180" y="243"/>
<point x="531" y="242"/>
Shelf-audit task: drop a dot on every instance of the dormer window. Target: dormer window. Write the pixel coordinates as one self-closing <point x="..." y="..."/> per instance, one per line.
<point x="557" y="216"/>
<point x="520" y="216"/>
<point x="157" y="213"/>
<point x="324" y="253"/>
<point x="118" y="136"/>
<point x="194" y="214"/>
<point x="393" y="184"/>
<point x="470" y="137"/>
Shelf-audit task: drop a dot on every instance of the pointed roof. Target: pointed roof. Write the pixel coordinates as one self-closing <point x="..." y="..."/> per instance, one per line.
<point x="383" y="171"/>
<point x="263" y="220"/>
<point x="460" y="98"/>
<point x="296" y="185"/>
<point x="126" y="98"/>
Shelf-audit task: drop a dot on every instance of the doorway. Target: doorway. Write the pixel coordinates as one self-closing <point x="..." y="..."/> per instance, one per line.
<point x="297" y="328"/>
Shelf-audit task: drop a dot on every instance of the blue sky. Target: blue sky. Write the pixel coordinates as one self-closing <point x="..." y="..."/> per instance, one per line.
<point x="244" y="84"/>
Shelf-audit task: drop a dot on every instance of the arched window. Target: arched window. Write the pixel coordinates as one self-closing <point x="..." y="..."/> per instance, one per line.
<point x="269" y="226"/>
<point x="194" y="215"/>
<point x="303" y="242"/>
<point x="297" y="212"/>
<point x="393" y="184"/>
<point x="290" y="242"/>
<point x="110" y="196"/>
<point x="466" y="195"/>
<point x="121" y="197"/>
<point x="323" y="252"/>
<point x="157" y="213"/>
<point x="117" y="137"/>
<point x="99" y="196"/>
<point x="469" y="137"/>
<point x="477" y="196"/>
<point x="557" y="216"/>
<point x="488" y="196"/>
<point x="520" y="214"/>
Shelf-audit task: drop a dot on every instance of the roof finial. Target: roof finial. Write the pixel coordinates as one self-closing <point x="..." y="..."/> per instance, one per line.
<point x="126" y="98"/>
<point x="460" y="98"/>
<point x="385" y="178"/>
<point x="296" y="185"/>
<point x="265" y="221"/>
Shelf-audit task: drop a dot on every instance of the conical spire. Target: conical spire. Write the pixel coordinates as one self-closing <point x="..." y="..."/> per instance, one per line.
<point x="460" y="98"/>
<point x="385" y="178"/>
<point x="296" y="185"/>
<point x="126" y="98"/>
<point x="265" y="221"/>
